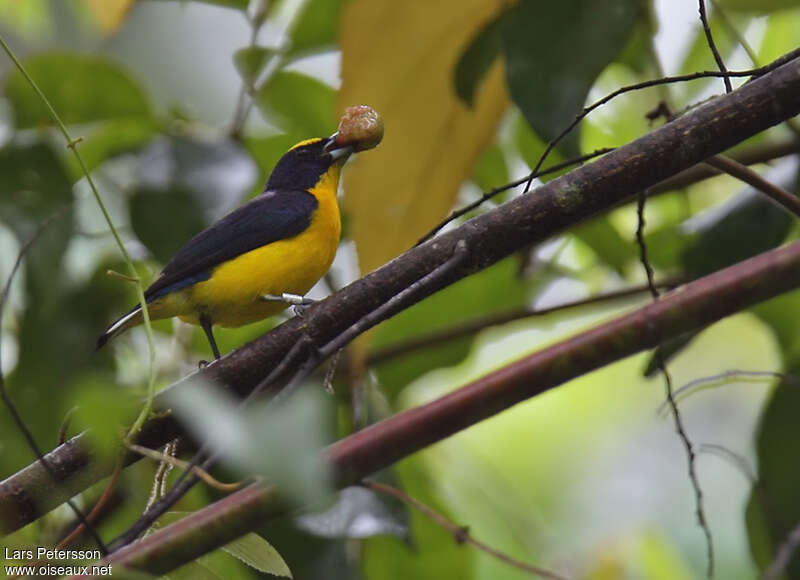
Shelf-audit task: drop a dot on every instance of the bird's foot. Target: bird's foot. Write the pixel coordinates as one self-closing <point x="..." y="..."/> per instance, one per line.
<point x="293" y="299"/>
<point x="298" y="303"/>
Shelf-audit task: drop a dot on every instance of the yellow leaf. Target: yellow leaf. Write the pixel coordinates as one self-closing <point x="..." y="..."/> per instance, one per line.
<point x="109" y="14"/>
<point x="400" y="58"/>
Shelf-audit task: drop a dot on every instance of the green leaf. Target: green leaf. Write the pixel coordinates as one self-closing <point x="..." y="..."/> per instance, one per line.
<point x="781" y="314"/>
<point x="540" y="41"/>
<point x="531" y="147"/>
<point x="34" y="187"/>
<point x="110" y="139"/>
<point x="81" y="88"/>
<point x="476" y="61"/>
<point x="266" y="151"/>
<point x="298" y="104"/>
<point x="250" y="61"/>
<point x="104" y="417"/>
<point x="606" y="242"/>
<point x="747" y="225"/>
<point x="282" y="442"/>
<point x="32" y="19"/>
<point x="491" y="169"/>
<point x="761" y="6"/>
<point x="781" y="34"/>
<point x="258" y="553"/>
<point x="164" y="220"/>
<point x="316" y="27"/>
<point x="637" y="54"/>
<point x="774" y="506"/>
<point x="195" y="570"/>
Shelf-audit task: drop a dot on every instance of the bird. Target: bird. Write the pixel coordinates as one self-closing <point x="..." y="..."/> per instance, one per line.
<point x="265" y="255"/>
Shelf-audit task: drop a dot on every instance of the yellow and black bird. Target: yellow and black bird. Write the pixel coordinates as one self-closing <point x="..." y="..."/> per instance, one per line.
<point x="270" y="251"/>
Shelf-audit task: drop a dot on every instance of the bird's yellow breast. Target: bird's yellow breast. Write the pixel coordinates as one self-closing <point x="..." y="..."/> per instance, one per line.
<point x="231" y="296"/>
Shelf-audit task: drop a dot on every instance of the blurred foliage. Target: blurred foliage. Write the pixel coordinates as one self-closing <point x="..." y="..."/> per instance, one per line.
<point x="432" y="138"/>
<point x="453" y="81"/>
<point x="774" y="510"/>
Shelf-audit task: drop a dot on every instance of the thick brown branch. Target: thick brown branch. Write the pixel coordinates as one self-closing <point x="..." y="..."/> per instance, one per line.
<point x="687" y="308"/>
<point x="552" y="208"/>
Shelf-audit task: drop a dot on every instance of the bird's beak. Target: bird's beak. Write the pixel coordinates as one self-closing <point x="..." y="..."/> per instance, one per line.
<point x="336" y="151"/>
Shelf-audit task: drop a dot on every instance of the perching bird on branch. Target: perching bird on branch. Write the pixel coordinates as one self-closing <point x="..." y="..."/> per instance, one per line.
<point x="268" y="253"/>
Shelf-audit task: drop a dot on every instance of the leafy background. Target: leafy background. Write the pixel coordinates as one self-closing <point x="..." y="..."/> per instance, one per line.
<point x="589" y="479"/>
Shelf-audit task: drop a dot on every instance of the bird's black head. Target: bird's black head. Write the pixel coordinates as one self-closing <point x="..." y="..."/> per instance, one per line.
<point x="303" y="165"/>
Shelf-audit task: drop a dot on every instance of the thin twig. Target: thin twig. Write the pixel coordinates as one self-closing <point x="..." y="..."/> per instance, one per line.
<point x="242" y="111"/>
<point x="776" y="193"/>
<point x="65" y="423"/>
<point x="461" y="534"/>
<point x="751" y="53"/>
<point x="737" y="460"/>
<point x="95" y="511"/>
<point x="679" y="428"/>
<point x="498" y="190"/>
<point x="528" y="179"/>
<point x="720" y="378"/>
<point x="478" y="324"/>
<point x="784" y="555"/>
<point x="206" y="477"/>
<point x="713" y="46"/>
<point x="635" y="87"/>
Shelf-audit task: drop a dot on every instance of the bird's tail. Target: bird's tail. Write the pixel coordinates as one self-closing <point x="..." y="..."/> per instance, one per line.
<point x="132" y="318"/>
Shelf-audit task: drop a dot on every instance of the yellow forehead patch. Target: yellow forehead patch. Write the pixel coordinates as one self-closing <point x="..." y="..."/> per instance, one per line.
<point x="306" y="142"/>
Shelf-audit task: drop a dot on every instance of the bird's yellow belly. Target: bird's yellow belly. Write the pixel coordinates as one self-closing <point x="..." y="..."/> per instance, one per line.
<point x="232" y="295"/>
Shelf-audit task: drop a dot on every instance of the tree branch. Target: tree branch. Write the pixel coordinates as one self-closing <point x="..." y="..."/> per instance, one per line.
<point x="555" y="206"/>
<point x="690" y="307"/>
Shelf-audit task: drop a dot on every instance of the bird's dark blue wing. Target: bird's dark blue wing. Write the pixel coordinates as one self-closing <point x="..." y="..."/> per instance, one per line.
<point x="272" y="216"/>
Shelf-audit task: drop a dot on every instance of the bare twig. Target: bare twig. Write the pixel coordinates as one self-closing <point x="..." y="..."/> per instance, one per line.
<point x="471" y="327"/>
<point x="679" y="428"/>
<point x="65" y="423"/>
<point x="776" y="193"/>
<point x="784" y="555"/>
<point x="713" y="46"/>
<point x="206" y="477"/>
<point x="242" y="110"/>
<point x="95" y="511"/>
<point x="720" y="378"/>
<point x="761" y="153"/>
<point x="454" y="215"/>
<point x="528" y="179"/>
<point x="737" y="460"/>
<point x="461" y="534"/>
